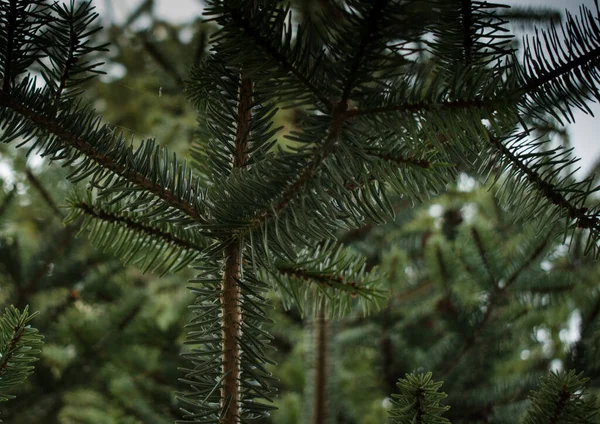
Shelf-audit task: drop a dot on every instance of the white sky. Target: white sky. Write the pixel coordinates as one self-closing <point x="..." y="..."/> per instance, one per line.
<point x="584" y="133"/>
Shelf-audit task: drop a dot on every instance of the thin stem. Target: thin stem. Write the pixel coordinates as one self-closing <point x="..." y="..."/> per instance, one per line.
<point x="231" y="301"/>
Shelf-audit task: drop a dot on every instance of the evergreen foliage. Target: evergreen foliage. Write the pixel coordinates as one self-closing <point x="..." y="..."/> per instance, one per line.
<point x="394" y="99"/>
<point x="419" y="401"/>
<point x="561" y="399"/>
<point x="19" y="347"/>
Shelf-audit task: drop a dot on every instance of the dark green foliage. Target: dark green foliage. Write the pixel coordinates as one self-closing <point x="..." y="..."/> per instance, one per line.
<point x="392" y="98"/>
<point x="20" y="346"/>
<point x="418" y="401"/>
<point x="562" y="399"/>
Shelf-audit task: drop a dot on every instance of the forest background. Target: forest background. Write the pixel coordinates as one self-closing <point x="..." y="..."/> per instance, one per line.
<point x="114" y="334"/>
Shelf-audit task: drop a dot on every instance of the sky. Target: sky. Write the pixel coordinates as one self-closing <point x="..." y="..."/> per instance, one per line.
<point x="584" y="133"/>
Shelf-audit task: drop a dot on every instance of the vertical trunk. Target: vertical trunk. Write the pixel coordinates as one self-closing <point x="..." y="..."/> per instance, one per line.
<point x="231" y="333"/>
<point x="321" y="364"/>
<point x="231" y="302"/>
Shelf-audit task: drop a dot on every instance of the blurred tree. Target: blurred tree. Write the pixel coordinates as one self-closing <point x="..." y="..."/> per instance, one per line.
<point x="386" y="98"/>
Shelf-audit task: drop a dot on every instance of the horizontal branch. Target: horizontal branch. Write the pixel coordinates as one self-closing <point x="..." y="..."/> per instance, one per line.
<point x="138" y="227"/>
<point x="564" y="69"/>
<point x="333" y="281"/>
<point x="408" y="107"/>
<point x="51" y="126"/>
<point x="550" y="191"/>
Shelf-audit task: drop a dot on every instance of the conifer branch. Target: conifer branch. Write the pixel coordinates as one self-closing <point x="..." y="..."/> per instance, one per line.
<point x="231" y="296"/>
<point x="231" y="334"/>
<point x="559" y="72"/>
<point x="495" y="296"/>
<point x="368" y="31"/>
<point x="312" y="166"/>
<point x="10" y="39"/>
<point x="483" y="256"/>
<point x="19" y="347"/>
<point x="138" y="227"/>
<point x="52" y="126"/>
<point x="550" y="191"/>
<point x="334" y="281"/>
<point x="240" y="21"/>
<point x="69" y="62"/>
<point x="490" y="104"/>
<point x="467" y="19"/>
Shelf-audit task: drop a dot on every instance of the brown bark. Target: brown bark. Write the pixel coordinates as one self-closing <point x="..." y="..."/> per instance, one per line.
<point x="231" y="307"/>
<point x="231" y="333"/>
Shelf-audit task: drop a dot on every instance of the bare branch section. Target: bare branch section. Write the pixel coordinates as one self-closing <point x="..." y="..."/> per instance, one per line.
<point x="51" y="126"/>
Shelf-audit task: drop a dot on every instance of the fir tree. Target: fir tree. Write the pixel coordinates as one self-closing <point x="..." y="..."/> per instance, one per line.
<point x="396" y="97"/>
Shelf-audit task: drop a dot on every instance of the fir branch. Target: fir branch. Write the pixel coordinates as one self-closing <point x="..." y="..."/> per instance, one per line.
<point x="495" y="297"/>
<point x="231" y="296"/>
<point x="562" y="398"/>
<point x="550" y="191"/>
<point x="240" y="21"/>
<point x="52" y="126"/>
<point x="483" y="256"/>
<point x="418" y="401"/>
<point x="10" y="39"/>
<point x="244" y="118"/>
<point x="369" y="29"/>
<point x="70" y="58"/>
<point x="19" y="347"/>
<point x="330" y="280"/>
<point x="554" y="74"/>
<point x="467" y="21"/>
<point x="312" y="167"/>
<point x="136" y="226"/>
<point x="490" y="104"/>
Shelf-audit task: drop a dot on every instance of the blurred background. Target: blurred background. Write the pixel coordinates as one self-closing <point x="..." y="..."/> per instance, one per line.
<point x="114" y="335"/>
